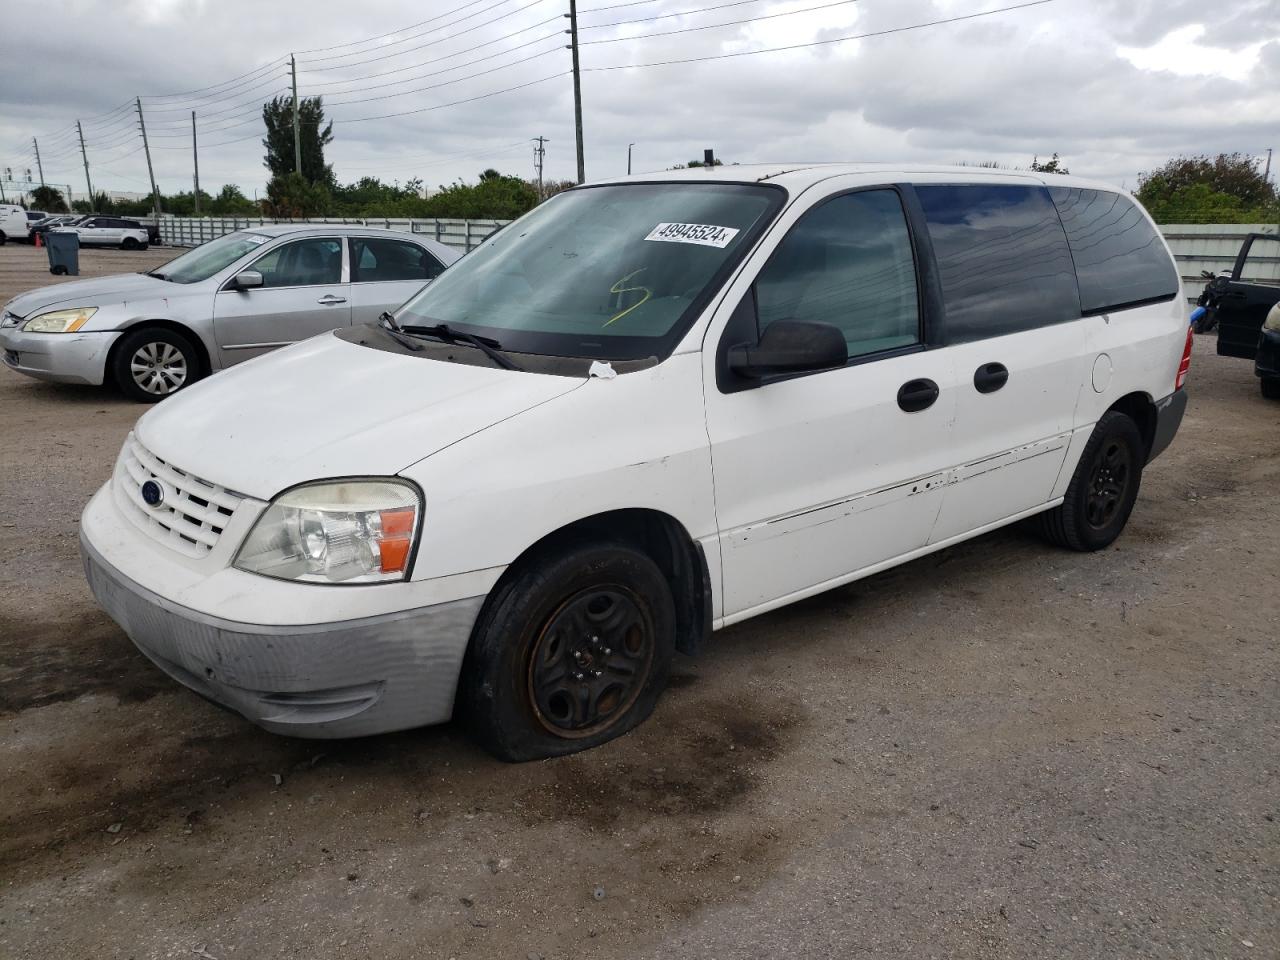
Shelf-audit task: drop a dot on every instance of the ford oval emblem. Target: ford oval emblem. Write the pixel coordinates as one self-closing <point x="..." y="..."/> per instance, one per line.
<point x="152" y="493"/>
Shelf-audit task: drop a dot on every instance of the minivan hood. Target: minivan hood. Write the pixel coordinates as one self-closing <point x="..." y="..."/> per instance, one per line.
<point x="329" y="408"/>
<point x="96" y="292"/>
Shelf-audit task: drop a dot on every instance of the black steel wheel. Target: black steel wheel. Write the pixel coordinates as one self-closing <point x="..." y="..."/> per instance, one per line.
<point x="1270" y="387"/>
<point x="1103" y="488"/>
<point x="571" y="650"/>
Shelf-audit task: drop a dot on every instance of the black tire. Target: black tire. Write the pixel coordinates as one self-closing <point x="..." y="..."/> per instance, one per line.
<point x="1270" y="387"/>
<point x="3" y="238"/>
<point x="173" y="360"/>
<point x="572" y="650"/>
<point x="1103" y="489"/>
<point x="128" y="243"/>
<point x="143" y="247"/>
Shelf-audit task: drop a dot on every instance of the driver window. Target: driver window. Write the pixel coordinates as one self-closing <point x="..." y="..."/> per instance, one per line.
<point x="847" y="263"/>
<point x="312" y="262"/>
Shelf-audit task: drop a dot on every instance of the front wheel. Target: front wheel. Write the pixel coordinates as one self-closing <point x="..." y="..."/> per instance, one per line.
<point x="150" y="364"/>
<point x="1270" y="387"/>
<point x="1103" y="489"/>
<point x="571" y="651"/>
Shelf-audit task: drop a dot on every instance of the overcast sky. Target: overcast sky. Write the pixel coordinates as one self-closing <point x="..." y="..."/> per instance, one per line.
<point x="1114" y="86"/>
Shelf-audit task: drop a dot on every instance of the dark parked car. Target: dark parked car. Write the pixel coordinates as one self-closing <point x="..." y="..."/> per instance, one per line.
<point x="1238" y="305"/>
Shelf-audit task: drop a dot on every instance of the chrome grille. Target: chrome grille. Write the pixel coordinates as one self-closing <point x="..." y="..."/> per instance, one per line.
<point x="193" y="513"/>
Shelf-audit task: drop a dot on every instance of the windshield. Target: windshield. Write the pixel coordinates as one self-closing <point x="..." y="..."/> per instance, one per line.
<point x="209" y="258"/>
<point x="612" y="273"/>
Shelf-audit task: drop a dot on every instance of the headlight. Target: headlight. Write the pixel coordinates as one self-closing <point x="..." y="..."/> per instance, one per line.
<point x="1272" y="322"/>
<point x="60" y="321"/>
<point x="351" y="531"/>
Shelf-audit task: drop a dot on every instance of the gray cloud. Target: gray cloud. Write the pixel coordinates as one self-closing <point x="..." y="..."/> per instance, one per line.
<point x="1029" y="82"/>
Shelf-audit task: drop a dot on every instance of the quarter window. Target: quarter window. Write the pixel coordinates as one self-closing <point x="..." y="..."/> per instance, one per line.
<point x="847" y="263"/>
<point x="1118" y="254"/>
<point x="376" y="260"/>
<point x="303" y="263"/>
<point x="1002" y="258"/>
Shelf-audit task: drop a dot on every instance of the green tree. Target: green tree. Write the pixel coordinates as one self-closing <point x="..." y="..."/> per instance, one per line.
<point x="1053" y="165"/>
<point x="48" y="199"/>
<point x="231" y="201"/>
<point x="1228" y="188"/>
<point x="313" y="136"/>
<point x="501" y="197"/>
<point x="294" y="196"/>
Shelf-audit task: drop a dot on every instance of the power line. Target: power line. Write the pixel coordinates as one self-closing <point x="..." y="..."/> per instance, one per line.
<point x="680" y="13"/>
<point x="713" y="26"/>
<point x="817" y="43"/>
<point x="412" y="26"/>
<point x="470" y="29"/>
<point x="432" y="43"/>
<point x="443" y="83"/>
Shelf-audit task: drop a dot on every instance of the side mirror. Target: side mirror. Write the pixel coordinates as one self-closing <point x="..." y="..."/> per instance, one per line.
<point x="246" y="280"/>
<point x="790" y="346"/>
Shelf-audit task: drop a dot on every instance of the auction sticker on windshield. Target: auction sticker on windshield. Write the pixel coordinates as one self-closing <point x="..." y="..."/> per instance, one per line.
<point x="704" y="234"/>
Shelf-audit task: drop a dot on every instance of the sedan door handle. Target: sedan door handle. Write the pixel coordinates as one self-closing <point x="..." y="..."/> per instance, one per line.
<point x="990" y="377"/>
<point x="331" y="299"/>
<point x="917" y="395"/>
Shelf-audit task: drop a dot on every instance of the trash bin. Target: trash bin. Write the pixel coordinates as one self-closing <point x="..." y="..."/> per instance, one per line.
<point x="64" y="252"/>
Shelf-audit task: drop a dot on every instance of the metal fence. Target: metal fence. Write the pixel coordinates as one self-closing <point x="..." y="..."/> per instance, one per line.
<point x="1213" y="247"/>
<point x="193" y="231"/>
<point x="1196" y="246"/>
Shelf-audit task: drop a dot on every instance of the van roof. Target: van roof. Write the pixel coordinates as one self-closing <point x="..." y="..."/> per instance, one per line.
<point x="798" y="176"/>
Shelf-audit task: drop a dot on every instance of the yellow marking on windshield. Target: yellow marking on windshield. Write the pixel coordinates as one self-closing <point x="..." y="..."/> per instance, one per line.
<point x="619" y="288"/>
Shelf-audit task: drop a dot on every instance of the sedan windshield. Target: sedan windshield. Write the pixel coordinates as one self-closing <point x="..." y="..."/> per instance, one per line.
<point x="209" y="258"/>
<point x="612" y="273"/>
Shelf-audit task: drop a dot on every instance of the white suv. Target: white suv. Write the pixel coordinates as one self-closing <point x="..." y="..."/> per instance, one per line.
<point x="649" y="409"/>
<point x="110" y="232"/>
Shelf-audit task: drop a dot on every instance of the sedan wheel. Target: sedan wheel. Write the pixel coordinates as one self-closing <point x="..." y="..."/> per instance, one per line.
<point x="158" y="368"/>
<point x="150" y="364"/>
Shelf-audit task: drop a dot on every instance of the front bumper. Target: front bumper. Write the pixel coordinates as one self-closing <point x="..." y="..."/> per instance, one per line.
<point x="1267" y="362"/>
<point x="58" y="357"/>
<point x="348" y="678"/>
<point x="1169" y="413"/>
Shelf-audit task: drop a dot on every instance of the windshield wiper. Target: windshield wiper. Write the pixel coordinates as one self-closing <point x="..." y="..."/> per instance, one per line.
<point x="442" y="331"/>
<point x="388" y="320"/>
<point x="157" y="274"/>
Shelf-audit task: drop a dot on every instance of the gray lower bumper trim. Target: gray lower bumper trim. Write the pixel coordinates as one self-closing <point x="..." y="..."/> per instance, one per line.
<point x="346" y="679"/>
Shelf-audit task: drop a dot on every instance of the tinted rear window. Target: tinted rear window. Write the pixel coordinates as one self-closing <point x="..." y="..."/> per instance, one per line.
<point x="1118" y="254"/>
<point x="1003" y="259"/>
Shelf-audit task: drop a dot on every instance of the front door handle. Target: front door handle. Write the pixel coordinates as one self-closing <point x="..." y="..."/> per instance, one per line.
<point x="917" y="395"/>
<point x="331" y="299"/>
<point x="990" y="377"/>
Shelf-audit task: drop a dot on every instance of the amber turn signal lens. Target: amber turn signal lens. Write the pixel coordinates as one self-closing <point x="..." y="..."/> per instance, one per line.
<point x="393" y="554"/>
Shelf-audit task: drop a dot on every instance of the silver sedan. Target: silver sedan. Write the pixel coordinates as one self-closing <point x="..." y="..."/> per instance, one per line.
<point x="226" y="301"/>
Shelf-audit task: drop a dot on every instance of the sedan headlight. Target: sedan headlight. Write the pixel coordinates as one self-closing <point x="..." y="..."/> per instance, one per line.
<point x="60" y="321"/>
<point x="349" y="531"/>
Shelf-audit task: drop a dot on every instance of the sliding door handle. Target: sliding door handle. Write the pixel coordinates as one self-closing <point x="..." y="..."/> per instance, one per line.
<point x="917" y="395"/>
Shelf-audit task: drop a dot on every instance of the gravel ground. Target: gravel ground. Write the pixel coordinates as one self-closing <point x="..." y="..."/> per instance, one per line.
<point x="1002" y="750"/>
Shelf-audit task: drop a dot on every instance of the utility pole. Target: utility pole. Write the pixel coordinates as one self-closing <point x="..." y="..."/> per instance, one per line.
<point x="629" y="146"/>
<point x="155" y="192"/>
<point x="539" y="152"/>
<point x="297" y="137"/>
<point x="195" y="164"/>
<point x="85" y="157"/>
<point x="39" y="165"/>
<point x="1266" y="176"/>
<point x="577" y="87"/>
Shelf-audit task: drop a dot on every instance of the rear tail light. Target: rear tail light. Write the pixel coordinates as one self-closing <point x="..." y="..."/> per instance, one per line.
<point x="1185" y="365"/>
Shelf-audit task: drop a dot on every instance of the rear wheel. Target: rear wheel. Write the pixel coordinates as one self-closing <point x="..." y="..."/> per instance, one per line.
<point x="1103" y="489"/>
<point x="3" y="238"/>
<point x="150" y="364"/>
<point x="129" y="243"/>
<point x="1270" y="387"/>
<point x="569" y="652"/>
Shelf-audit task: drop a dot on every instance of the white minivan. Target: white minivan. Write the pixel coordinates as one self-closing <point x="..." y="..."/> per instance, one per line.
<point x="648" y="409"/>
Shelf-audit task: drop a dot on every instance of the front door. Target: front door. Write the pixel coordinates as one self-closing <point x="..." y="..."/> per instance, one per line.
<point x="304" y="292"/>
<point x="1253" y="290"/>
<point x="820" y="476"/>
